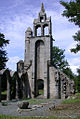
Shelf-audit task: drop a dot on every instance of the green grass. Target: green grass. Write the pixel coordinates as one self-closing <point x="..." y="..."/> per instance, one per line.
<point x="67" y="101"/>
<point x="41" y="92"/>
<point x="34" y="101"/>
<point x="4" y="93"/>
<point x="10" y="117"/>
<point x="77" y="94"/>
<point x="37" y="101"/>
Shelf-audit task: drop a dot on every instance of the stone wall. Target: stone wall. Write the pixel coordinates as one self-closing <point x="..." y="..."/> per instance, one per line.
<point x="59" y="85"/>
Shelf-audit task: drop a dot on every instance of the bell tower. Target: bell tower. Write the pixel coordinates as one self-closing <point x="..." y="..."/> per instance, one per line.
<point x="38" y="52"/>
<point x="43" y="23"/>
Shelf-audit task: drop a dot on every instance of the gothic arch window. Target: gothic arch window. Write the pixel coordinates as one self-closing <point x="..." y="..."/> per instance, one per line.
<point x="38" y="42"/>
<point x="46" y="30"/>
<point x="38" y="30"/>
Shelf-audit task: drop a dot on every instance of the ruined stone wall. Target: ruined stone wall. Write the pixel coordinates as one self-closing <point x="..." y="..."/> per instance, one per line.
<point x="60" y="85"/>
<point x="53" y="83"/>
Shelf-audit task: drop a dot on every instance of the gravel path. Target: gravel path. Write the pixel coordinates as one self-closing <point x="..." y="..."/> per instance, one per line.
<point x="11" y="109"/>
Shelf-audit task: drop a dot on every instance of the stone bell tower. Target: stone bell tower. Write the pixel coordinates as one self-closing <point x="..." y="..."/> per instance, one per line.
<point x="38" y="52"/>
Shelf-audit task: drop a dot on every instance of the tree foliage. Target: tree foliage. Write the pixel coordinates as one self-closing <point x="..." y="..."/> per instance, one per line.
<point x="72" y="12"/>
<point x="69" y="73"/>
<point x="76" y="38"/>
<point x="3" y="54"/>
<point x="58" y="59"/>
<point x="78" y="81"/>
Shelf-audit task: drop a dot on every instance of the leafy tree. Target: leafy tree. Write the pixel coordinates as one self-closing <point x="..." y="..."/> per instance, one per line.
<point x="72" y="12"/>
<point x="3" y="57"/>
<point x="76" y="38"/>
<point x="58" y="59"/>
<point x="69" y="73"/>
<point x="78" y="81"/>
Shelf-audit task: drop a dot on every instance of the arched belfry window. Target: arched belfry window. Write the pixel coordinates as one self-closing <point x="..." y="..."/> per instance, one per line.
<point x="41" y="19"/>
<point x="38" y="30"/>
<point x="46" y="30"/>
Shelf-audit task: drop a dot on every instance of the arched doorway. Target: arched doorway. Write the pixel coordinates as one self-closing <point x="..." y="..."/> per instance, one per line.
<point x="40" y="84"/>
<point x="39" y="63"/>
<point x="26" y="90"/>
<point x="5" y="85"/>
<point x="15" y="86"/>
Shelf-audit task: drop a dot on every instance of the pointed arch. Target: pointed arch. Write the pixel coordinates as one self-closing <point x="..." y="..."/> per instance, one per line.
<point x="8" y="79"/>
<point x="26" y="86"/>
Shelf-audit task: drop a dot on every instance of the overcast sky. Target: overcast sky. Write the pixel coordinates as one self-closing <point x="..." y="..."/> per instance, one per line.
<point x="17" y="15"/>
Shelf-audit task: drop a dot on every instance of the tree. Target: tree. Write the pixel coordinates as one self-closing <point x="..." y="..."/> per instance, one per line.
<point x="72" y="12"/>
<point x="58" y="58"/>
<point x="76" y="38"/>
<point x="78" y="81"/>
<point x="3" y="54"/>
<point x="69" y="73"/>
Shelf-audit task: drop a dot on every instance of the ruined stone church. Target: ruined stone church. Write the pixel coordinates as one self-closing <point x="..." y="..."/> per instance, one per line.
<point x="38" y="58"/>
<point x="36" y="71"/>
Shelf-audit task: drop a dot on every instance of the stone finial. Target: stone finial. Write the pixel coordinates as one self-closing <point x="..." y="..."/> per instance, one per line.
<point x="29" y="29"/>
<point x="42" y="7"/>
<point x="28" y="32"/>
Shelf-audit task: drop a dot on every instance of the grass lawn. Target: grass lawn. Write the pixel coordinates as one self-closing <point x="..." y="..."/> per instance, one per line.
<point x="73" y="99"/>
<point x="37" y="101"/>
<point x="69" y="107"/>
<point x="41" y="92"/>
<point x="67" y="101"/>
<point x="77" y="94"/>
<point x="4" y="93"/>
<point x="10" y="117"/>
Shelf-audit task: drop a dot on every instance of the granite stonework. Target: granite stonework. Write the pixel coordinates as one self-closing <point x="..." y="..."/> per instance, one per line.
<point x="38" y="58"/>
<point x="36" y="70"/>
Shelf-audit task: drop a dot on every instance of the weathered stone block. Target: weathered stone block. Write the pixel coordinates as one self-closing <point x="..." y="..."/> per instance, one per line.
<point x="23" y="105"/>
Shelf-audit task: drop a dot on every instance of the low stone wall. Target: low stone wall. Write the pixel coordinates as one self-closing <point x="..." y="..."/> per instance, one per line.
<point x="60" y="85"/>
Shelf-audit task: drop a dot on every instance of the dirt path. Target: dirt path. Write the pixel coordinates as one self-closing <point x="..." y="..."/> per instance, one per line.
<point x="49" y="108"/>
<point x="11" y="109"/>
<point x="67" y="110"/>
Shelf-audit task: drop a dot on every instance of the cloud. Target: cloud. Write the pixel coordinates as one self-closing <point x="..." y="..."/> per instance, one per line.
<point x="11" y="64"/>
<point x="62" y="29"/>
<point x="74" y="63"/>
<point x="14" y="30"/>
<point x="73" y="68"/>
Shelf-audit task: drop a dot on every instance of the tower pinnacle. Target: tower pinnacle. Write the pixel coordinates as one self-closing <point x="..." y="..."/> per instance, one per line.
<point x="42" y="7"/>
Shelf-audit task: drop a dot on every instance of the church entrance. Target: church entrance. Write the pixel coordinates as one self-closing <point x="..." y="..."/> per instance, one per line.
<point x="40" y="84"/>
<point x="39" y="64"/>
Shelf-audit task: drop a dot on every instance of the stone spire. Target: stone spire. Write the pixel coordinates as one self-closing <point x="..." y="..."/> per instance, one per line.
<point x="42" y="8"/>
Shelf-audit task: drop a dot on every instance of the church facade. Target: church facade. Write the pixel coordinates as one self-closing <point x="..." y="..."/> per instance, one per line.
<point x="38" y="62"/>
